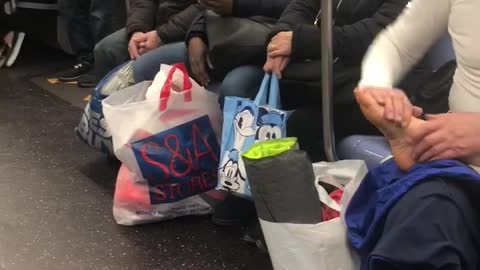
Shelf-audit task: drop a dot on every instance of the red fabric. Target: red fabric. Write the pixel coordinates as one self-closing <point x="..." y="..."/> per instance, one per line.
<point x="327" y="212"/>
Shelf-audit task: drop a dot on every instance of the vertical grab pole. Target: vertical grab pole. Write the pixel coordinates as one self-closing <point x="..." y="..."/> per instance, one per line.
<point x="327" y="69"/>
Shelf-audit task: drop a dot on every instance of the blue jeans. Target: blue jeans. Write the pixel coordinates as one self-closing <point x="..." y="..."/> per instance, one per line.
<point x="241" y="82"/>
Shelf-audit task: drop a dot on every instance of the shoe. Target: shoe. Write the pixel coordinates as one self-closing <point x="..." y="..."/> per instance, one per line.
<point x="87" y="81"/>
<point x="77" y="71"/>
<point x="13" y="47"/>
<point x="234" y="211"/>
<point x="254" y="236"/>
<point x="9" y="7"/>
<point x="3" y="59"/>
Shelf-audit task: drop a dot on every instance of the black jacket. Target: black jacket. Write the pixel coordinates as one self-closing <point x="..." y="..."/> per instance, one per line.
<point x="242" y="9"/>
<point x="171" y="18"/>
<point x="357" y="22"/>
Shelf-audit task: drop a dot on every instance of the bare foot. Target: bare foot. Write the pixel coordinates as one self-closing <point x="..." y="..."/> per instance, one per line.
<point x="396" y="135"/>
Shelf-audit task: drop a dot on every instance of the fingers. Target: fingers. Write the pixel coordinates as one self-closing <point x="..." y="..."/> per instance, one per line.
<point x="133" y="50"/>
<point x="199" y="71"/>
<point x="434" y="151"/>
<point x="417" y="111"/>
<point x="268" y="67"/>
<point x="284" y="63"/>
<point x="406" y="114"/>
<point x="279" y="63"/>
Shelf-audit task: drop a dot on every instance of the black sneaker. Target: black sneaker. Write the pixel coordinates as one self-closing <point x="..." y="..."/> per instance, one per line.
<point x="254" y="236"/>
<point x="13" y="46"/>
<point x="75" y="72"/>
<point x="87" y="81"/>
<point x="234" y="211"/>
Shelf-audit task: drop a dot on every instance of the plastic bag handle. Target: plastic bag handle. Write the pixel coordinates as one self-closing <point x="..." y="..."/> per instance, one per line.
<point x="167" y="86"/>
<point x="269" y="93"/>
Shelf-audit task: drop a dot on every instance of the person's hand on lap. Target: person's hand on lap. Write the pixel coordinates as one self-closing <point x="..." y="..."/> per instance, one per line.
<point x="152" y="41"/>
<point x="199" y="59"/>
<point x="221" y="7"/>
<point x="134" y="44"/>
<point x="448" y="136"/>
<point x="280" y="45"/>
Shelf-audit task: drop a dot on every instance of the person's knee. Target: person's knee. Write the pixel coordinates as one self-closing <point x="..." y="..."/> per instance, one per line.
<point x="144" y="68"/>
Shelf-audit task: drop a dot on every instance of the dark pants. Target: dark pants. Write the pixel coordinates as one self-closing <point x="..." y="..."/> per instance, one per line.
<point x="434" y="226"/>
<point x="88" y="22"/>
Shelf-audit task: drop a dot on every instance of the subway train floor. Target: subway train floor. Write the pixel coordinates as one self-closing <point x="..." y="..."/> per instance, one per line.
<point x="56" y="194"/>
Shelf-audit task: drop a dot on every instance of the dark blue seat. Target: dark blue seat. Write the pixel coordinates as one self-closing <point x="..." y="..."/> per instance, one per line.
<point x="374" y="149"/>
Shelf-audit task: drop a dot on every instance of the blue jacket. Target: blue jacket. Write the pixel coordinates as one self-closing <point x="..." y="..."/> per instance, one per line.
<point x="383" y="187"/>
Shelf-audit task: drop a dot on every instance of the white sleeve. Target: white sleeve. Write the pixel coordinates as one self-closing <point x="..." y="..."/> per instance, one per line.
<point x="399" y="47"/>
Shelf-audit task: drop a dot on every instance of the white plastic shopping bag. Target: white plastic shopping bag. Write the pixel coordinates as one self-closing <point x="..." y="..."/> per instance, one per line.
<point x="167" y="136"/>
<point x="289" y="198"/>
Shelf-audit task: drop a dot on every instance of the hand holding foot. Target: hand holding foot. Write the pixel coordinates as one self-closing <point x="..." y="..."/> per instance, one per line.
<point x="398" y="130"/>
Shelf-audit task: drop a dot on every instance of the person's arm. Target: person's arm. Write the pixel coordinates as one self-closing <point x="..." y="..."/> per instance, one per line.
<point x="197" y="29"/>
<point x="267" y="8"/>
<point x="349" y="41"/>
<point x="178" y="25"/>
<point x="405" y="42"/>
<point x="298" y="12"/>
<point x="141" y="17"/>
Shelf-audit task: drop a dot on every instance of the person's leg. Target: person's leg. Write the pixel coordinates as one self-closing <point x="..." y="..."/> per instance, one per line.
<point x="102" y="14"/>
<point x="306" y="124"/>
<point x="433" y="226"/>
<point x="110" y="52"/>
<point x="74" y="14"/>
<point x="243" y="81"/>
<point x="148" y="65"/>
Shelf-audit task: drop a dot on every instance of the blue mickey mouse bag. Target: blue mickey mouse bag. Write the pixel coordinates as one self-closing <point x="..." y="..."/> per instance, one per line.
<point x="246" y="122"/>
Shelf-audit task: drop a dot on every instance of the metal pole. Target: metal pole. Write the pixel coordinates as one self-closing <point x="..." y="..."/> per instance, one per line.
<point x="327" y="66"/>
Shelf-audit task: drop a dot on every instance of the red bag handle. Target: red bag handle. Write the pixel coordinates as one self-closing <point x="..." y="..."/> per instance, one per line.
<point x="167" y="86"/>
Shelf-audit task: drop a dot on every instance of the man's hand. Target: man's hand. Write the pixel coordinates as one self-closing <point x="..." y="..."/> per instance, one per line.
<point x="199" y="59"/>
<point x="276" y="65"/>
<point x="398" y="108"/>
<point x="152" y="41"/>
<point x="134" y="44"/>
<point x="448" y="136"/>
<point x="280" y="45"/>
<point x="222" y="7"/>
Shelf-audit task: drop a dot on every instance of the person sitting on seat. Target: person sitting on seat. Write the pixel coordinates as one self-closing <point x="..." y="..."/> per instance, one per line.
<point x="86" y="22"/>
<point x="243" y="81"/>
<point x="294" y="53"/>
<point x="438" y="218"/>
<point x="153" y="35"/>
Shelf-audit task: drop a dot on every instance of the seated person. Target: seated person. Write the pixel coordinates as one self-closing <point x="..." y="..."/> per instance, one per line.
<point x="154" y="31"/>
<point x="295" y="42"/>
<point x="438" y="217"/>
<point x="235" y="83"/>
<point x="87" y="22"/>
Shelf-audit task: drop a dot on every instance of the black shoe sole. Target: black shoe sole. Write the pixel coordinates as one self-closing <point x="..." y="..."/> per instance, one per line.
<point x="86" y="85"/>
<point x="226" y="222"/>
<point x="71" y="79"/>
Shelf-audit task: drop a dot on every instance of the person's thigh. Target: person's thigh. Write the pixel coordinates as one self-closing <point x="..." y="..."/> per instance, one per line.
<point x="111" y="52"/>
<point x="148" y="65"/>
<point x="433" y="226"/>
<point x="243" y="81"/>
